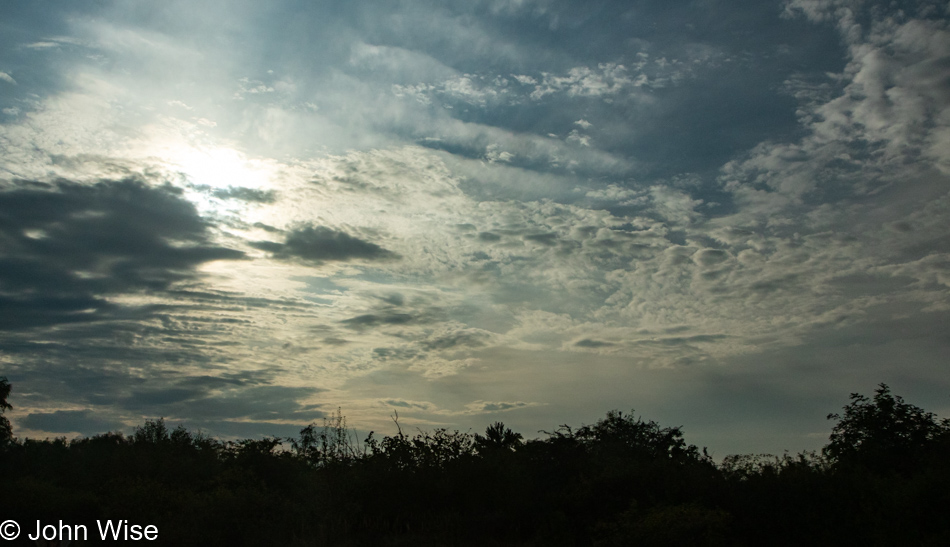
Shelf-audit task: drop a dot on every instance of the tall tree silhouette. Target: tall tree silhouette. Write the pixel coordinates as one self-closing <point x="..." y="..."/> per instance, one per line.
<point x="883" y="433"/>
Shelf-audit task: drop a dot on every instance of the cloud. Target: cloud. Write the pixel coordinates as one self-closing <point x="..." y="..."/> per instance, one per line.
<point x="68" y="248"/>
<point x="319" y="244"/>
<point x="458" y="338"/>
<point x="577" y="137"/>
<point x="246" y="194"/>
<point x="389" y="318"/>
<point x="402" y="403"/>
<point x="464" y="90"/>
<point x="606" y="79"/>
<point x="398" y="64"/>
<point x="887" y="121"/>
<point x="548" y="239"/>
<point x="85" y="422"/>
<point x="613" y="192"/>
<point x="373" y="320"/>
<point x="710" y="257"/>
<point x="434" y="368"/>
<point x="258" y="403"/>
<point x="488" y="407"/>
<point x="7" y="78"/>
<point x="42" y="45"/>
<point x="682" y="340"/>
<point x="590" y="343"/>
<point x="196" y="406"/>
<point x="493" y="154"/>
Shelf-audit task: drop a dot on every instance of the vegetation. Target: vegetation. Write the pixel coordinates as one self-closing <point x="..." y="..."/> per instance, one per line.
<point x="883" y="479"/>
<point x="6" y="432"/>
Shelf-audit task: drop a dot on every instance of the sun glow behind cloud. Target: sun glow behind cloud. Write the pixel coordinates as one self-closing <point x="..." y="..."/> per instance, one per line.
<point x="219" y="167"/>
<point x="208" y="171"/>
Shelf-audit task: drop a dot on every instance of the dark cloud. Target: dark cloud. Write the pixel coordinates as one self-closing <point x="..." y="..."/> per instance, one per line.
<point x="206" y="382"/>
<point x="784" y="282"/>
<point x="266" y="402"/>
<point x="245" y="194"/>
<point x="86" y="422"/>
<point x="269" y="246"/>
<point x="471" y="339"/>
<point x="160" y="397"/>
<point x="683" y="340"/>
<point x="391" y="317"/>
<point x="395" y="354"/>
<point x="548" y="239"/>
<point x="66" y="247"/>
<point x="393" y="299"/>
<point x="498" y="407"/>
<point x="710" y="257"/>
<point x="320" y="244"/>
<point x="266" y="227"/>
<point x="375" y="320"/>
<point x="30" y="311"/>
<point x="590" y="343"/>
<point x="407" y="404"/>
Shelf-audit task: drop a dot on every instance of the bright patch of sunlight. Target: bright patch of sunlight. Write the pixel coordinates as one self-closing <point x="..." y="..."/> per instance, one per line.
<point x="214" y="168"/>
<point x="220" y="168"/>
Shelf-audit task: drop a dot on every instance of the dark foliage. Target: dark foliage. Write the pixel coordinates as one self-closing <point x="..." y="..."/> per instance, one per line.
<point x="6" y="432"/>
<point x="882" y="480"/>
<point x="885" y="433"/>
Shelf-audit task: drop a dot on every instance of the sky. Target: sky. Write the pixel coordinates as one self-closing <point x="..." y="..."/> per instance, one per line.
<point x="242" y="216"/>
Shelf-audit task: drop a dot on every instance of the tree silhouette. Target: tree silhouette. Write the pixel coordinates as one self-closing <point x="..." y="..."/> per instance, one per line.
<point x="6" y="431"/>
<point x="637" y="437"/>
<point x="883" y="433"/>
<point x="498" y="438"/>
<point x="152" y="432"/>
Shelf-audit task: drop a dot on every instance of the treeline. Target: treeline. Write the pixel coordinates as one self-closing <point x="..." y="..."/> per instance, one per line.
<point x="883" y="479"/>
